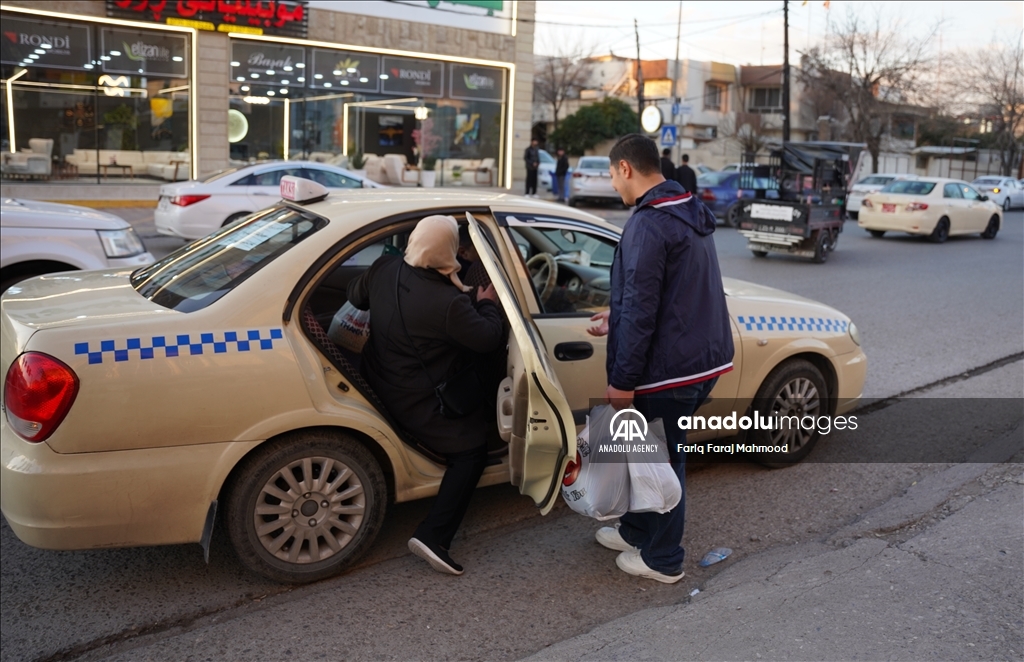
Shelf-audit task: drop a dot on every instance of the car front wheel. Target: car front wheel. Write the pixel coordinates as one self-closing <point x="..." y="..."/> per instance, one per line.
<point x="303" y="507"/>
<point x="992" y="228"/>
<point x="1006" y="204"/>
<point x="794" y="389"/>
<point x="941" y="232"/>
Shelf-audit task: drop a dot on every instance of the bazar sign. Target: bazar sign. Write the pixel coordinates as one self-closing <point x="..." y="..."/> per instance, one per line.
<point x="286" y="18"/>
<point x="153" y="54"/>
<point x="473" y="83"/>
<point x="64" y="46"/>
<point x="423" y="78"/>
<point x="347" y="70"/>
<point x="259" y="63"/>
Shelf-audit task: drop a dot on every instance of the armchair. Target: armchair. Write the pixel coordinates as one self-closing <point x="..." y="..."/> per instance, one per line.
<point x="31" y="162"/>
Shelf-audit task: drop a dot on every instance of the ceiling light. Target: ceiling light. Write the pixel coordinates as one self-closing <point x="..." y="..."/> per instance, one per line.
<point x="270" y="93"/>
<point x="383" y="76"/>
<point x="270" y="72"/>
<point x="301" y="79"/>
<point x="287" y="68"/>
<point x="351" y="70"/>
<point x="244" y="88"/>
<point x="254" y="75"/>
<point x="285" y="82"/>
<point x="235" y="64"/>
<point x="344" y="82"/>
<point x="318" y="76"/>
<point x="364" y="79"/>
<point x="115" y="53"/>
<point x="105" y="58"/>
<point x="240" y="79"/>
<point x="327" y="85"/>
<point x="47" y="46"/>
<point x="284" y="90"/>
<point x="300" y="65"/>
<point x="337" y="72"/>
<point x="258" y="101"/>
<point x="39" y="51"/>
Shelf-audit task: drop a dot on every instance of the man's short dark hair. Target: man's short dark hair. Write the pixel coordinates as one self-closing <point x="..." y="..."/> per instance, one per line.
<point x="686" y="158"/>
<point x="666" y="152"/>
<point x="638" y="151"/>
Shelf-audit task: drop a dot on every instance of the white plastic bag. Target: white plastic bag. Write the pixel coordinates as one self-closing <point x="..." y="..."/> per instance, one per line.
<point x="350" y="328"/>
<point x="596" y="489"/>
<point x="653" y="484"/>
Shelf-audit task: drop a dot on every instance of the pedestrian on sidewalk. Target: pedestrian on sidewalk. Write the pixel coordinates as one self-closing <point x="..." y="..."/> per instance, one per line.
<point x="668" y="332"/>
<point x="668" y="169"/>
<point x="685" y="175"/>
<point x="532" y="158"/>
<point x="560" y="180"/>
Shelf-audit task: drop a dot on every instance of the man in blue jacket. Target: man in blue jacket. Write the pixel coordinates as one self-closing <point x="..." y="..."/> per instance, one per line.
<point x="669" y="336"/>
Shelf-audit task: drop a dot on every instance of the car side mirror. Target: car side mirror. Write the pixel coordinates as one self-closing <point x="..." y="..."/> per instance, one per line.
<point x="983" y="198"/>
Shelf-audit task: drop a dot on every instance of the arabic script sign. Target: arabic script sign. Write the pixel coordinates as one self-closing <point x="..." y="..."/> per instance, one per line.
<point x="286" y="18"/>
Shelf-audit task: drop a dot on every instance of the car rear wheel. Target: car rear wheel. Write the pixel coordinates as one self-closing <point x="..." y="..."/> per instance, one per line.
<point x="1006" y="204"/>
<point x="795" y="388"/>
<point x="234" y="217"/>
<point x="732" y="216"/>
<point x="303" y="507"/>
<point x="822" y="246"/>
<point x="760" y="253"/>
<point x="941" y="231"/>
<point x="877" y="234"/>
<point x="992" y="228"/>
<point x="573" y="202"/>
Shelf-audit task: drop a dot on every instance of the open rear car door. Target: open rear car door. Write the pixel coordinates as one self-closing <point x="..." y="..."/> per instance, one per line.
<point x="533" y="415"/>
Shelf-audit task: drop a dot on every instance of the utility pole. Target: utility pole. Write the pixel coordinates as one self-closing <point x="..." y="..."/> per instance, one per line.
<point x="785" y="73"/>
<point x="675" y="77"/>
<point x="639" y="81"/>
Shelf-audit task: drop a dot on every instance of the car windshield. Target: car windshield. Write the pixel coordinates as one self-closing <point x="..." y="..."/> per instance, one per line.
<point x="197" y="274"/>
<point x="875" y="180"/>
<point x="909" y="187"/>
<point x="593" y="163"/>
<point x="545" y="156"/>
<point x="714" y="178"/>
<point x="987" y="180"/>
<point x="214" y="176"/>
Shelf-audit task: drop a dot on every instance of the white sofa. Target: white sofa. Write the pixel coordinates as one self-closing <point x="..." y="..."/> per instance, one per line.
<point x="33" y="161"/>
<point x="400" y="173"/>
<point x="169" y="166"/>
<point x="472" y="172"/>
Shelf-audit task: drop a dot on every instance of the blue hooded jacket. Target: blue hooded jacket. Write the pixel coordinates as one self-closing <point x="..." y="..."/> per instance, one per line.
<point x="669" y="325"/>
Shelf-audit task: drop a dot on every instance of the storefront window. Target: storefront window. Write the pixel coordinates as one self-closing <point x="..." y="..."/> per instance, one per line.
<point x="94" y="103"/>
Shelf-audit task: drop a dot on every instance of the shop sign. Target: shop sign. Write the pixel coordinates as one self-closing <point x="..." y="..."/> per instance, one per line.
<point x="30" y="43"/>
<point x="345" y="70"/>
<point x="260" y="63"/>
<point x="144" y="53"/>
<point x="473" y="83"/>
<point x="477" y="15"/>
<point x="284" y="18"/>
<point x="422" y="78"/>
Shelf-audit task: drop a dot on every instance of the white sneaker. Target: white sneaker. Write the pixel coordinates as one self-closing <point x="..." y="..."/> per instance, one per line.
<point x="631" y="563"/>
<point x="609" y="537"/>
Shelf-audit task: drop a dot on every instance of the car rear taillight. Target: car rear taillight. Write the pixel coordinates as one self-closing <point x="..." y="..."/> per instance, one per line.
<point x="572" y="471"/>
<point x="577" y="175"/>
<point x="917" y="206"/>
<point x="866" y="203"/>
<point x="38" y="393"/>
<point x="186" y="200"/>
<point x="708" y="195"/>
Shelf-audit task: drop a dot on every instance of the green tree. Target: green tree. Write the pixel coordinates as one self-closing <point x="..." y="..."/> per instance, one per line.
<point x="584" y="129"/>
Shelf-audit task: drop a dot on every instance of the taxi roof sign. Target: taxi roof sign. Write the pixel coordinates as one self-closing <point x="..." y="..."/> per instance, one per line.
<point x="301" y="190"/>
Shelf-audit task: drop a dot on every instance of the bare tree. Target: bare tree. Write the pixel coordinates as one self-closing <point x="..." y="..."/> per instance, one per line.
<point x="561" y="76"/>
<point x="869" y="68"/>
<point x="994" y="80"/>
<point x="748" y="131"/>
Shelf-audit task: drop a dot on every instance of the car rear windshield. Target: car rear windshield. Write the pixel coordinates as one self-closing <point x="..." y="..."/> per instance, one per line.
<point x="714" y="178"/>
<point x="988" y="180"/>
<point x="876" y="180"/>
<point x="593" y="164"/>
<point x="909" y="187"/>
<point x="200" y="273"/>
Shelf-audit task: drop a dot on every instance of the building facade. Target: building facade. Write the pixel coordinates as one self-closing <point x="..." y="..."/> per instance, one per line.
<point x="123" y="91"/>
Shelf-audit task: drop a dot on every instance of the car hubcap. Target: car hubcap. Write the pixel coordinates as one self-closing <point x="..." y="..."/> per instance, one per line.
<point x="799" y="398"/>
<point x="309" y="510"/>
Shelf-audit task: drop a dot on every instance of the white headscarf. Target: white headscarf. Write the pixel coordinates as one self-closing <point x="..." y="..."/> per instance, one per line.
<point x="434" y="244"/>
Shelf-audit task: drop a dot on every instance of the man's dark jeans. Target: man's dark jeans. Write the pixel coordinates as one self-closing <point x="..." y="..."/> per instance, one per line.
<point x="659" y="536"/>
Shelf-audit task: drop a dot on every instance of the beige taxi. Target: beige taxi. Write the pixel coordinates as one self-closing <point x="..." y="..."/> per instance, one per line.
<point x="934" y="207"/>
<point x="139" y="404"/>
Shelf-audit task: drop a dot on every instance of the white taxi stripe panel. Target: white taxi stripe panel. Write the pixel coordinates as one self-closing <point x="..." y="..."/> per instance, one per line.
<point x="174" y="345"/>
<point x="763" y="323"/>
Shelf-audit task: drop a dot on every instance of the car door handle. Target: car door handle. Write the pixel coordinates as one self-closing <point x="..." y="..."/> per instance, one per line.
<point x="261" y="193"/>
<point x="573" y="351"/>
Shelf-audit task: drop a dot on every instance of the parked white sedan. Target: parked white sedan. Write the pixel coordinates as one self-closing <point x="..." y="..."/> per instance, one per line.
<point x="40" y="238"/>
<point x="935" y="208"/>
<point x="592" y="181"/>
<point x="194" y="209"/>
<point x="1006" y="192"/>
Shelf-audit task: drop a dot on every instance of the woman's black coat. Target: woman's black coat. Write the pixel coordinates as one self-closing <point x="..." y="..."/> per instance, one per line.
<point x="447" y="328"/>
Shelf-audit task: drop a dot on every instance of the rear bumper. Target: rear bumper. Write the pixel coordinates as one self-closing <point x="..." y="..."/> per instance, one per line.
<point x="913" y="223"/>
<point x="113" y="499"/>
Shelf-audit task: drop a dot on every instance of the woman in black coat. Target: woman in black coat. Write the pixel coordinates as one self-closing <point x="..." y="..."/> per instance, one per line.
<point x="423" y="329"/>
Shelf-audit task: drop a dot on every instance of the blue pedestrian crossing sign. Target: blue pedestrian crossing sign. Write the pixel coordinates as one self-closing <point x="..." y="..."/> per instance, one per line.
<point x="668" y="136"/>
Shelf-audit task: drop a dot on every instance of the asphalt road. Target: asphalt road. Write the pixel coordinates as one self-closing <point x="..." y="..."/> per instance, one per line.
<point x="927" y="314"/>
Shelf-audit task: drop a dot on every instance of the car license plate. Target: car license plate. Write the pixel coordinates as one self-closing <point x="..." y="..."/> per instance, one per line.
<point x="889" y="209"/>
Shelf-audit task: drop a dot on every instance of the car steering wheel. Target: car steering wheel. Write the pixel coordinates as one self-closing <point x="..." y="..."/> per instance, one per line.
<point x="544" y="273"/>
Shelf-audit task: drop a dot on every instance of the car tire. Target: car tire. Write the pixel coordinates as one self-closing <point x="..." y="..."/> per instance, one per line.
<point x="332" y="537"/>
<point x="877" y="234"/>
<point x="784" y="385"/>
<point x="941" y="232"/>
<point x="760" y="253"/>
<point x="234" y="217"/>
<point x="732" y="216"/>
<point x="1006" y="203"/>
<point x="573" y="202"/>
<point x="992" y="229"/>
<point x="822" y="247"/>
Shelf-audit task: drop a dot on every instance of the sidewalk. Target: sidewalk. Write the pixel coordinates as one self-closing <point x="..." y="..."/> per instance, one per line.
<point x="937" y="573"/>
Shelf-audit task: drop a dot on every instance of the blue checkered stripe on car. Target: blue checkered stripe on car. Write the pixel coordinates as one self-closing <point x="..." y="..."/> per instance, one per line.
<point x="763" y="323"/>
<point x="179" y="344"/>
